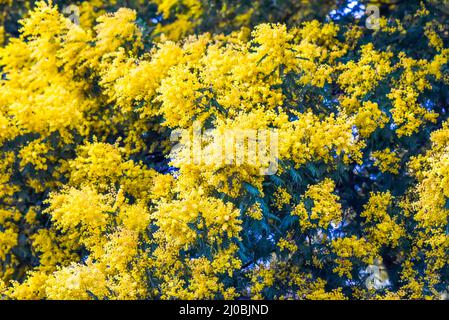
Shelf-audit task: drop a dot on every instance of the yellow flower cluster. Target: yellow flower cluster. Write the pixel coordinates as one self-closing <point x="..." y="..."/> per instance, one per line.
<point x="361" y="77"/>
<point x="381" y="228"/>
<point x="348" y="249"/>
<point x="369" y="118"/>
<point x="407" y="113"/>
<point x="324" y="210"/>
<point x="80" y="107"/>
<point x="386" y="160"/>
<point x="34" y="153"/>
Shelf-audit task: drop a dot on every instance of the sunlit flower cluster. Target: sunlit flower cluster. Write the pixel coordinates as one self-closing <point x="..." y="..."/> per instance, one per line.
<point x="86" y="212"/>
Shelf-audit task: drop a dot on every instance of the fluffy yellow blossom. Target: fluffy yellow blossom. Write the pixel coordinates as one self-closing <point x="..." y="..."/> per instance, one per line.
<point x="383" y="229"/>
<point x="320" y="207"/>
<point x="407" y="112"/>
<point x="350" y="248"/>
<point x="98" y="200"/>
<point x="8" y="240"/>
<point x="386" y="160"/>
<point x="284" y="244"/>
<point x="83" y="208"/>
<point x="261" y="278"/>
<point x="34" y="153"/>
<point x="108" y="25"/>
<point x="319" y="292"/>
<point x="359" y="78"/>
<point x="369" y="117"/>
<point x="76" y="282"/>
<point x="255" y="211"/>
<point x="282" y="197"/>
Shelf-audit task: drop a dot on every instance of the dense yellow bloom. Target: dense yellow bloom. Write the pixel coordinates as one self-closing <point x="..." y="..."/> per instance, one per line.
<point x="76" y="282"/>
<point x="320" y="293"/>
<point x="107" y="27"/>
<point x="85" y="213"/>
<point x="406" y="112"/>
<point x="255" y="211"/>
<point x="6" y="170"/>
<point x="369" y="118"/>
<point x="187" y="12"/>
<point x="284" y="244"/>
<point x="383" y="230"/>
<point x="8" y="240"/>
<point x="282" y="197"/>
<point x="351" y="248"/>
<point x="325" y="210"/>
<point x="34" y="153"/>
<point x="86" y="207"/>
<point x="217" y="219"/>
<point x="359" y="78"/>
<point x="386" y="160"/>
